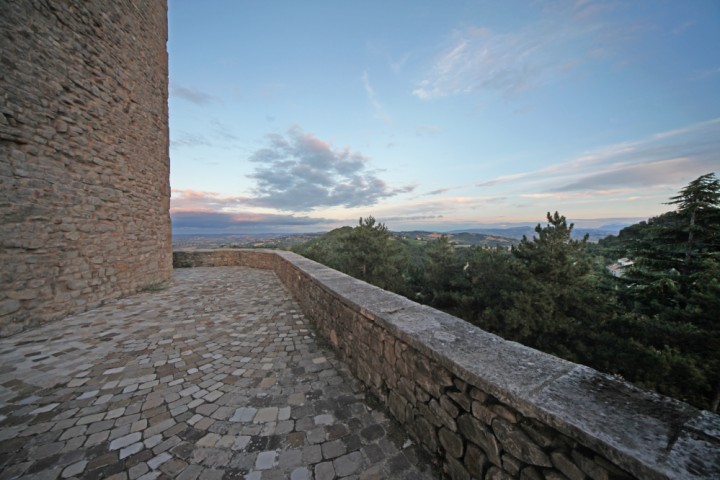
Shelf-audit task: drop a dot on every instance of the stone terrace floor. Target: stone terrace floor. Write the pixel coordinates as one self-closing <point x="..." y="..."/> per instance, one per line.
<point x="218" y="375"/>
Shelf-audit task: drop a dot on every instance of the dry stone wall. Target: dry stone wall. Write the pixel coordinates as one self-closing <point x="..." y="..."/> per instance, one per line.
<point x="84" y="166"/>
<point x="484" y="407"/>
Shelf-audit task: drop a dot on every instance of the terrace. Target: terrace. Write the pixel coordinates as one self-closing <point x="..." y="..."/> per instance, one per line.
<point x="267" y="365"/>
<point x="219" y="375"/>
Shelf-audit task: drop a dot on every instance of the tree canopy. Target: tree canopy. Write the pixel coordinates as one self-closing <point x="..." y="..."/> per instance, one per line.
<point x="657" y="325"/>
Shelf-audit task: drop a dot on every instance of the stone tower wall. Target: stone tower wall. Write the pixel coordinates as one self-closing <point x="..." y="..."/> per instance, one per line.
<point x="84" y="165"/>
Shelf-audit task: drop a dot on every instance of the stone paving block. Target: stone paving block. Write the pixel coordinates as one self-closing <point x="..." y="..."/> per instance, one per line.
<point x="131" y="450"/>
<point x="208" y="440"/>
<point x="324" y="471"/>
<point x="155" y="462"/>
<point x="187" y="392"/>
<point x="96" y="438"/>
<point x="243" y="414"/>
<point x="136" y="471"/>
<point x="333" y="449"/>
<point x="150" y="476"/>
<point x="266" y="460"/>
<point x="125" y="441"/>
<point x="268" y="414"/>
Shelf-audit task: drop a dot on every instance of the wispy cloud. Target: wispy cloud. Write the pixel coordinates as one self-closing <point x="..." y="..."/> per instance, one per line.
<point x="194" y="210"/>
<point x="242" y="222"/>
<point x="480" y="59"/>
<point x="428" y="130"/>
<point x="663" y="160"/>
<point x="379" y="109"/>
<point x="192" y="95"/>
<point x="186" y="139"/>
<point x="194" y="200"/>
<point x="397" y="65"/>
<point x="300" y="172"/>
<point x="222" y="131"/>
<point x="410" y="218"/>
<point x="680" y="29"/>
<point x="705" y="74"/>
<point x="216" y="134"/>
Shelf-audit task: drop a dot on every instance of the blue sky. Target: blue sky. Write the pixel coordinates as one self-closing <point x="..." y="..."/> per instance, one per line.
<point x="304" y="116"/>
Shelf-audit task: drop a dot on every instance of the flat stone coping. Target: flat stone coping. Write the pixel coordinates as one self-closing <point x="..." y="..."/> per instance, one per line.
<point x="647" y="434"/>
<point x="218" y="375"/>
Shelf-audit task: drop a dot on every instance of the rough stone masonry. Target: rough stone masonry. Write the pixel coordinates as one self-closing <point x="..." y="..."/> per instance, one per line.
<point x="84" y="166"/>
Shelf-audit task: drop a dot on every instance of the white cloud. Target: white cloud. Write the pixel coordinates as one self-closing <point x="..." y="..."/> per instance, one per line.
<point x="299" y="172"/>
<point x="191" y="95"/>
<point x="663" y="160"/>
<point x="380" y="111"/>
<point x="480" y="59"/>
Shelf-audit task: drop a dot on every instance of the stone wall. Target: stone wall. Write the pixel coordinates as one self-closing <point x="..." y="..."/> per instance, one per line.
<point x="84" y="166"/>
<point x="485" y="407"/>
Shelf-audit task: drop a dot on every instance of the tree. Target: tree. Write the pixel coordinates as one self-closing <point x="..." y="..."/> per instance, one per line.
<point x="443" y="279"/>
<point x="698" y="205"/>
<point x="369" y="253"/>
<point x="672" y="294"/>
<point x="544" y="294"/>
<point x="560" y="298"/>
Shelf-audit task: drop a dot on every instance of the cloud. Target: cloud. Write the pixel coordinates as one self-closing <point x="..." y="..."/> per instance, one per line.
<point x="705" y="74"/>
<point x="480" y="59"/>
<point x="194" y="210"/>
<point x="238" y="222"/>
<point x="641" y="175"/>
<point x="194" y="200"/>
<point x="428" y="130"/>
<point x="397" y="65"/>
<point x="439" y="191"/>
<point x="662" y="160"/>
<point x="221" y="131"/>
<point x="410" y="218"/>
<point x="680" y="29"/>
<point x="216" y="134"/>
<point x="299" y="172"/>
<point x="191" y="95"/>
<point x="573" y="195"/>
<point x="377" y="106"/>
<point x="185" y="139"/>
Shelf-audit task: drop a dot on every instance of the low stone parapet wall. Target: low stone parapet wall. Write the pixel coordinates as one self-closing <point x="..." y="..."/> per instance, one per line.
<point x="485" y="407"/>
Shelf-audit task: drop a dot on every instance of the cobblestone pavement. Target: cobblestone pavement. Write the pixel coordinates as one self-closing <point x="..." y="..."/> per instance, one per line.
<point x="216" y="376"/>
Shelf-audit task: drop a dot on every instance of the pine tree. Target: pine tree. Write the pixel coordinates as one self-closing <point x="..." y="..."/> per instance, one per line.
<point x="675" y="287"/>
<point x="698" y="203"/>
<point x="369" y="253"/>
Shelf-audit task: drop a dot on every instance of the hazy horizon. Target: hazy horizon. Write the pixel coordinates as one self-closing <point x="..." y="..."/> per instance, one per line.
<point x="261" y="228"/>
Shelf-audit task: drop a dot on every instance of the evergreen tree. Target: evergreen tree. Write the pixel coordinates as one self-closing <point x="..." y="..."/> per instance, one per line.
<point x="443" y="283"/>
<point x="698" y="206"/>
<point x="671" y="295"/>
<point x="371" y="254"/>
<point x="560" y="299"/>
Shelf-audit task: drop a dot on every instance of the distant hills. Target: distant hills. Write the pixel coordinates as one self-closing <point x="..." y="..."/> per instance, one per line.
<point x="492" y="236"/>
<point x="517" y="233"/>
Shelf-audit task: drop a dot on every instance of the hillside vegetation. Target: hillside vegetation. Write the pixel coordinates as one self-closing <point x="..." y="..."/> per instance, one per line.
<point x="658" y="325"/>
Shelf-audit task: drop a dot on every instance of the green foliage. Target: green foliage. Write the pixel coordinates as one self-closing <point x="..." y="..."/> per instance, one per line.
<point x="442" y="280"/>
<point x="657" y="326"/>
<point x="544" y="293"/>
<point x="669" y="301"/>
<point x="326" y="249"/>
<point x="371" y="254"/>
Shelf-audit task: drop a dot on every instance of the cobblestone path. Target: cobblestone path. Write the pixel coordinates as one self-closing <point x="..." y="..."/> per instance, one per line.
<point x="216" y="376"/>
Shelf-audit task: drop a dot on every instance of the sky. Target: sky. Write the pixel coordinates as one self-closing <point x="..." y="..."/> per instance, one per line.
<point x="289" y="116"/>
